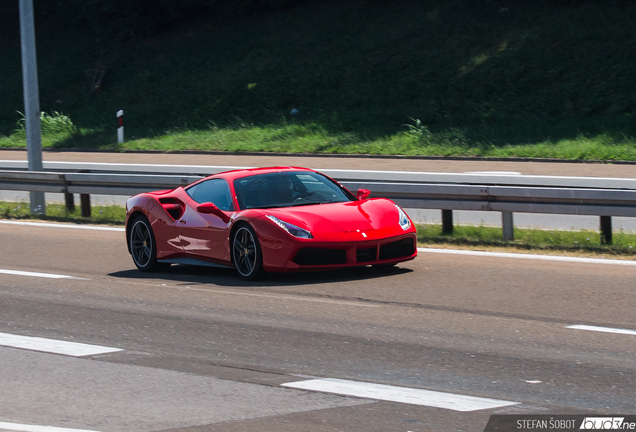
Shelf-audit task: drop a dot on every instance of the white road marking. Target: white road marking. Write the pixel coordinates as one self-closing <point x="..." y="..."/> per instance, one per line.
<point x="34" y="428"/>
<point x="603" y="329"/>
<point x="529" y="256"/>
<point x="501" y="173"/>
<point x="58" y="225"/>
<point x="389" y="393"/>
<point x="37" y="274"/>
<point x="53" y="346"/>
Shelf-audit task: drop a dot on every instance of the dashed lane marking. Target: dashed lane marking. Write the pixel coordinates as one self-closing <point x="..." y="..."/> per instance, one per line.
<point x="603" y="329"/>
<point x="73" y="349"/>
<point x="435" y="399"/>
<point x="37" y="274"/>
<point x="16" y="427"/>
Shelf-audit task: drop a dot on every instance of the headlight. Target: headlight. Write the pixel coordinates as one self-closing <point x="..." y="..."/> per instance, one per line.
<point x="405" y="222"/>
<point x="290" y="228"/>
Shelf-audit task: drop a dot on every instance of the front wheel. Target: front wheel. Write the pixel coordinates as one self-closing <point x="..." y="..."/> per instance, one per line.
<point x="143" y="247"/>
<point x="246" y="253"/>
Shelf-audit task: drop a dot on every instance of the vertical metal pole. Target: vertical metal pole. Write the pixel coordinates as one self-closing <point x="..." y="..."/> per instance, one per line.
<point x="85" y="202"/>
<point x="508" y="226"/>
<point x="606" y="230"/>
<point x="447" y="221"/>
<point x="31" y="99"/>
<point x="70" y="202"/>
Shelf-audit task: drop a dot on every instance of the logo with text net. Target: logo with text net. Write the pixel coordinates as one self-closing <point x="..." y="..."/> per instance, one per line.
<point x="605" y="423"/>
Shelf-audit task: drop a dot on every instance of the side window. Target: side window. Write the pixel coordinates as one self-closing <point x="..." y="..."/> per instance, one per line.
<point x="215" y="191"/>
<point x="192" y="191"/>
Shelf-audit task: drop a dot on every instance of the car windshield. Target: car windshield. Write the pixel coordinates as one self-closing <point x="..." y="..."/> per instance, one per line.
<point x="288" y="189"/>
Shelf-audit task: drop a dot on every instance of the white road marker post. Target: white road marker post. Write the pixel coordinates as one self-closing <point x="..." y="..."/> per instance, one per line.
<point x="120" y="127"/>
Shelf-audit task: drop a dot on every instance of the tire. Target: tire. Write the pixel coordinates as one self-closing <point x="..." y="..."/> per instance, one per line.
<point x="143" y="246"/>
<point x="246" y="253"/>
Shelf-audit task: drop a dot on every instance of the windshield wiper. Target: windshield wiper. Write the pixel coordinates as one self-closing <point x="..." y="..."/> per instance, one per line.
<point x="267" y="207"/>
<point x="307" y="203"/>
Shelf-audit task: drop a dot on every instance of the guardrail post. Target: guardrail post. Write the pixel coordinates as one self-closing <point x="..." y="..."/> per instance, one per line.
<point x="606" y="230"/>
<point x="508" y="226"/>
<point x="85" y="200"/>
<point x="69" y="199"/>
<point x="447" y="221"/>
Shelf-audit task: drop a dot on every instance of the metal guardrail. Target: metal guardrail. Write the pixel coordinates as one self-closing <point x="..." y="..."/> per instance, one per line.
<point x="343" y="175"/>
<point x="86" y="184"/>
<point x="508" y="194"/>
<point x="579" y="201"/>
<point x="90" y="183"/>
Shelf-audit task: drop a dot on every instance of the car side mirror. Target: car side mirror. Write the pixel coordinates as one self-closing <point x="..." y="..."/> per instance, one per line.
<point x="363" y="194"/>
<point x="210" y="208"/>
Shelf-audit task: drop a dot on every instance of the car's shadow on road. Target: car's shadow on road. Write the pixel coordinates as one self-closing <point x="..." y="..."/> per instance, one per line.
<point x="227" y="277"/>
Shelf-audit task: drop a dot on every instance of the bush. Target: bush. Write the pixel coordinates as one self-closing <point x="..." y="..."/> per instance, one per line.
<point x="50" y="124"/>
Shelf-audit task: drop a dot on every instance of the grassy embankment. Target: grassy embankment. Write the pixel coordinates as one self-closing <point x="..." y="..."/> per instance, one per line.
<point x="546" y="79"/>
<point x="56" y="212"/>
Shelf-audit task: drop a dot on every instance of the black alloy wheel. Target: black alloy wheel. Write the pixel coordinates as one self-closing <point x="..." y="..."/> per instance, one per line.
<point x="246" y="253"/>
<point x="143" y="247"/>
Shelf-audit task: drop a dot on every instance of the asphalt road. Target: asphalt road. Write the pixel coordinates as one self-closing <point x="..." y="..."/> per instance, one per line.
<point x="203" y="351"/>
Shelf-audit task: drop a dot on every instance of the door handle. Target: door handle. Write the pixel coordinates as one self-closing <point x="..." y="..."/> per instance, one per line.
<point x="182" y="221"/>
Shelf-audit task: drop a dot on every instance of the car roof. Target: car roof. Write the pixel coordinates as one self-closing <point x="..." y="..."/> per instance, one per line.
<point x="234" y="174"/>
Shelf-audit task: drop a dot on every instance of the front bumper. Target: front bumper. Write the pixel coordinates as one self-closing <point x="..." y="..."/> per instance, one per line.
<point x="313" y="255"/>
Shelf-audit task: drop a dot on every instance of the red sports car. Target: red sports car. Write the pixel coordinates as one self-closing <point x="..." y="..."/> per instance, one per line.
<point x="267" y="219"/>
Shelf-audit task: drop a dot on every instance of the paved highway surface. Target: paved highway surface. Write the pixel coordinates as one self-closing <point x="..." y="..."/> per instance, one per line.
<point x="521" y="220"/>
<point x="199" y="350"/>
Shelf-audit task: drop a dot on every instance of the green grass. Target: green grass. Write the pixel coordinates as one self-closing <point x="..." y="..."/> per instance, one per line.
<point x="292" y="137"/>
<point x="540" y="79"/>
<point x="109" y="214"/>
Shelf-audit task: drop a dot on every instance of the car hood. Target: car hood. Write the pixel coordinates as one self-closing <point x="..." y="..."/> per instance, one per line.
<point x="350" y="216"/>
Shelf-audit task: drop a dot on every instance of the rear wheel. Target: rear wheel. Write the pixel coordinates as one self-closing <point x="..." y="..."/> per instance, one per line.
<point x="143" y="246"/>
<point x="246" y="253"/>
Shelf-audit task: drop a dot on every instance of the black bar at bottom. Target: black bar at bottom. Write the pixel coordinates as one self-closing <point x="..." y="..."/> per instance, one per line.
<point x="447" y="221"/>
<point x="70" y="202"/>
<point x="606" y="230"/>
<point x="85" y="200"/>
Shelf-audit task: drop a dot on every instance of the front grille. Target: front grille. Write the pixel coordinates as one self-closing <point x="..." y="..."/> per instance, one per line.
<point x="316" y="256"/>
<point x="366" y="254"/>
<point x="397" y="249"/>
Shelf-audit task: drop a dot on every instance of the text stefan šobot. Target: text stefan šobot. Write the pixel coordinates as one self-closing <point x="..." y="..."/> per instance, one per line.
<point x="546" y="424"/>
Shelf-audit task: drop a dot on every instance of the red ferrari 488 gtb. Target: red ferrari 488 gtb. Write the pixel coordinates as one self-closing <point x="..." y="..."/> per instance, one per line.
<point x="267" y="219"/>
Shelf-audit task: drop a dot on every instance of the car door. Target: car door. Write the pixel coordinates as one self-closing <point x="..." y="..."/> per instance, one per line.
<point x="205" y="235"/>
